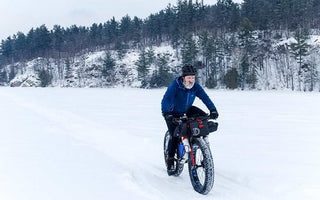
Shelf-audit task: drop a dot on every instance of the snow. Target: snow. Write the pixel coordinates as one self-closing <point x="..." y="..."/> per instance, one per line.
<point x="92" y="58"/>
<point x="69" y="143"/>
<point x="314" y="40"/>
<point x="286" y="41"/>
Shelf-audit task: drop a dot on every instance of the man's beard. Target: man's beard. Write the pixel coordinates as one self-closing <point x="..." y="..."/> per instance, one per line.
<point x="188" y="85"/>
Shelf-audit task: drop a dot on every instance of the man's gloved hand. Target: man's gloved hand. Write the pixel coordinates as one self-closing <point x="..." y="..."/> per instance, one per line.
<point x="171" y="118"/>
<point x="168" y="117"/>
<point x="214" y="114"/>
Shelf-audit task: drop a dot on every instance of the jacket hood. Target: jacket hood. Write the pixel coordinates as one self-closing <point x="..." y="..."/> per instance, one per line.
<point x="179" y="82"/>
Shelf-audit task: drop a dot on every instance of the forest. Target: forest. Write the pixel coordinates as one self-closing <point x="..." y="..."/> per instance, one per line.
<point x="237" y="46"/>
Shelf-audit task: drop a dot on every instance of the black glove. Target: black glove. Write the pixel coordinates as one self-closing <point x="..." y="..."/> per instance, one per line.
<point x="168" y="117"/>
<point x="214" y="114"/>
<point x="171" y="118"/>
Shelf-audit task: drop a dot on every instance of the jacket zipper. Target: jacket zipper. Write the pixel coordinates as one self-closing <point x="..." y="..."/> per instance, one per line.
<point x="188" y="96"/>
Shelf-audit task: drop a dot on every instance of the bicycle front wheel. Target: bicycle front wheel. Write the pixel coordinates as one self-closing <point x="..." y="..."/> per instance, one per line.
<point x="201" y="168"/>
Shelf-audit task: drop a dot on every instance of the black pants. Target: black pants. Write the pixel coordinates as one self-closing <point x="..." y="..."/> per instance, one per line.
<point x="192" y="112"/>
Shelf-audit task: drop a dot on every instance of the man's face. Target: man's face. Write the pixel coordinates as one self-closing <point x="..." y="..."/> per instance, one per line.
<point x="188" y="81"/>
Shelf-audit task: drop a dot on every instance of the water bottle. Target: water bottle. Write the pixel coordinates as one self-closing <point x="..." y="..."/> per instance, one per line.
<point x="186" y="144"/>
<point x="181" y="149"/>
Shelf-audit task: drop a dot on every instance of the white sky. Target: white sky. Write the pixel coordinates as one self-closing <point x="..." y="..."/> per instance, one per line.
<point x="22" y="15"/>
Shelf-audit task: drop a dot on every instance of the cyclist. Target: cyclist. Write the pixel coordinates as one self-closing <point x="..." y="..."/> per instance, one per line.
<point x="178" y="101"/>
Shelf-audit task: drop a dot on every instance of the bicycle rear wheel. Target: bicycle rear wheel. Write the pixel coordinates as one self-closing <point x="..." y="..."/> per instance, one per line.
<point x="178" y="165"/>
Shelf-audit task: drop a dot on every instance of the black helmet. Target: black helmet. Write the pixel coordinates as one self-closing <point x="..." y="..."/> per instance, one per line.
<point x="188" y="70"/>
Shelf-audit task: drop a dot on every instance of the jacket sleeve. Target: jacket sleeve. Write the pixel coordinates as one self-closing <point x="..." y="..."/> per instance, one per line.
<point x="204" y="97"/>
<point x="167" y="103"/>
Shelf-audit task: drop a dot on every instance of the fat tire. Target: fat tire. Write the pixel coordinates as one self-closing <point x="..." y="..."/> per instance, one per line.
<point x="199" y="145"/>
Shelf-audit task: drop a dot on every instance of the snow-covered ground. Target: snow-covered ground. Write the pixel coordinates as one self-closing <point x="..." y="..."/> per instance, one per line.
<point x="94" y="144"/>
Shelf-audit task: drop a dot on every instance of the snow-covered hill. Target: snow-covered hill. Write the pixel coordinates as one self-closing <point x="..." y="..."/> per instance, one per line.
<point x="85" y="70"/>
<point x="107" y="144"/>
<point x="274" y="68"/>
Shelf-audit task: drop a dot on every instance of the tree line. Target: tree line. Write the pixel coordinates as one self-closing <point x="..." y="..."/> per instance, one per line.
<point x="170" y="24"/>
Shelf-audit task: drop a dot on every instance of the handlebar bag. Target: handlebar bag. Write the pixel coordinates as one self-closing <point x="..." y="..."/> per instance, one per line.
<point x="212" y="126"/>
<point x="199" y="127"/>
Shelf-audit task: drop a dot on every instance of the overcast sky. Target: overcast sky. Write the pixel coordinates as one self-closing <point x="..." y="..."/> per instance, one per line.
<point x="22" y="15"/>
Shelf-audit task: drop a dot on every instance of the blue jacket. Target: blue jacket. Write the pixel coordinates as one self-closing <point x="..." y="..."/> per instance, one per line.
<point x="177" y="100"/>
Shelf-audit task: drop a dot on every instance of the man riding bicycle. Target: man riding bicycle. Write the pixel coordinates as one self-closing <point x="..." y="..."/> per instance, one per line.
<point x="178" y="101"/>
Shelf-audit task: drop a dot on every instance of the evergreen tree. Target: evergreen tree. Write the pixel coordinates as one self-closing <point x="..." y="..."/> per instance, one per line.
<point x="205" y="50"/>
<point x="211" y="81"/>
<point x="3" y="77"/>
<point x="161" y="77"/>
<point x="150" y="56"/>
<point x="94" y="34"/>
<point x="189" y="50"/>
<point x="45" y="77"/>
<point x="57" y="38"/>
<point x="20" y="45"/>
<point x="315" y="15"/>
<point x="183" y="16"/>
<point x="121" y="48"/>
<point x="244" y="75"/>
<point x="299" y="49"/>
<point x="247" y="45"/>
<point x="31" y="44"/>
<point x="111" y="31"/>
<point x="68" y="70"/>
<point x="143" y="68"/>
<point x="231" y="79"/>
<point x="227" y="15"/>
<point x="108" y="66"/>
<point x="136" y="30"/>
<point x="12" y="73"/>
<point x="7" y="47"/>
<point x="258" y="12"/>
<point x="209" y="50"/>
<point x="311" y="76"/>
<point x="125" y="29"/>
<point x="42" y="40"/>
